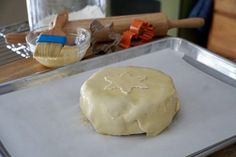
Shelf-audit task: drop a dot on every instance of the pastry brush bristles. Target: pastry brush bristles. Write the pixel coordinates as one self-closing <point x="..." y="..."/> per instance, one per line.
<point x="48" y="49"/>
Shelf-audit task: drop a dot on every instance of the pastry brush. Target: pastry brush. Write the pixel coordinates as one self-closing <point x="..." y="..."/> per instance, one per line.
<point x="50" y="42"/>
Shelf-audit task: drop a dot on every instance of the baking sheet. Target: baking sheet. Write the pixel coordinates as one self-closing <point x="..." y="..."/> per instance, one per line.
<point x="44" y="120"/>
<point x="205" y="60"/>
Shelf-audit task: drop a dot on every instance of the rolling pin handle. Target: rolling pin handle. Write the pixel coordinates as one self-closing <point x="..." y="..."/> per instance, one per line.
<point x="187" y="23"/>
<point x="14" y="38"/>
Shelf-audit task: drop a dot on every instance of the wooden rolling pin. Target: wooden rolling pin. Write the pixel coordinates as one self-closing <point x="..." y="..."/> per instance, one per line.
<point x="121" y="23"/>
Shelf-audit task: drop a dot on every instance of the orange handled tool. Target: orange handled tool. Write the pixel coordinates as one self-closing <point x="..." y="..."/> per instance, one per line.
<point x="139" y="29"/>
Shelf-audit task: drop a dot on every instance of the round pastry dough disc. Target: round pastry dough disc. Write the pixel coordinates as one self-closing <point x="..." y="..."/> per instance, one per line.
<point x="129" y="100"/>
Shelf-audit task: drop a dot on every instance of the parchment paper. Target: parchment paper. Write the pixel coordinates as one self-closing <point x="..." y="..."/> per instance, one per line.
<point x="44" y="121"/>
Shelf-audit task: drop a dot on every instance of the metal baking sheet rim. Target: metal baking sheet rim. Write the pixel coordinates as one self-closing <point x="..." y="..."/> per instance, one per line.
<point x="203" y="59"/>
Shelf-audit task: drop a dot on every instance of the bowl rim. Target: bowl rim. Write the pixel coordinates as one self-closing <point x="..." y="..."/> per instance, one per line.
<point x="32" y="36"/>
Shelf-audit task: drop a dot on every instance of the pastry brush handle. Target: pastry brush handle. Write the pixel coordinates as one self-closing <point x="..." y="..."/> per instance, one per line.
<point x="19" y="37"/>
<point x="186" y="23"/>
<point x="58" y="24"/>
<point x="60" y="20"/>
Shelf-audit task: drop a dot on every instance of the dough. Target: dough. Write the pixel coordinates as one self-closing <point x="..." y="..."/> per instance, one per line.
<point x="129" y="100"/>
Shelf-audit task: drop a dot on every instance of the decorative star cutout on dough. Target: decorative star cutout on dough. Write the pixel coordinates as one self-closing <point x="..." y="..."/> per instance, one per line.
<point x="125" y="82"/>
